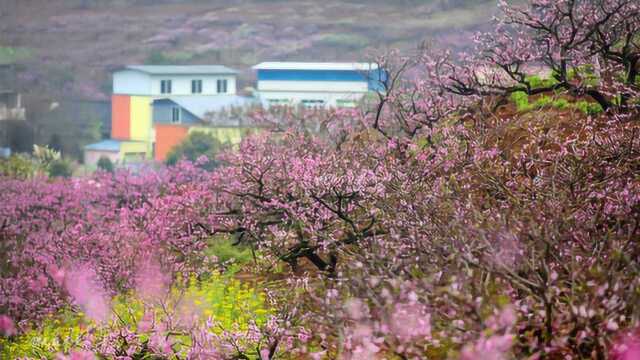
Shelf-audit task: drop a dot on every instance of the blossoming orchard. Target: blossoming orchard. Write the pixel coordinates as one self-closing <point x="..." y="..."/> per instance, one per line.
<point x="475" y="209"/>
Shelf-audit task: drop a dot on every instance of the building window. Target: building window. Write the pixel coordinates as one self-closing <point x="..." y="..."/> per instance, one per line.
<point x="343" y="103"/>
<point x="222" y="86"/>
<point x="133" y="157"/>
<point x="279" y="101"/>
<point x="165" y="86"/>
<point x="175" y="115"/>
<point x="312" y="103"/>
<point x="196" y="86"/>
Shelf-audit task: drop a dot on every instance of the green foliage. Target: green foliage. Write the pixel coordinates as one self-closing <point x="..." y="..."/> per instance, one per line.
<point x="560" y="104"/>
<point x="194" y="146"/>
<point x="10" y="55"/>
<point x="18" y="166"/>
<point x="223" y="249"/>
<point x="542" y="101"/>
<point x="536" y="81"/>
<point x="104" y="163"/>
<point x="588" y="108"/>
<point x="521" y="99"/>
<point x="60" y="168"/>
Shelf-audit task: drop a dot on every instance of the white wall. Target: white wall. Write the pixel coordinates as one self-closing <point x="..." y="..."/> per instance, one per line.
<point x="323" y="86"/>
<point x="181" y="84"/>
<point x="129" y="82"/>
<point x="296" y="98"/>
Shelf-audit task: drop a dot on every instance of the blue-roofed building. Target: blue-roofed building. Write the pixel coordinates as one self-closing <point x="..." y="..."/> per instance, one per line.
<point x="118" y="151"/>
<point x="317" y="84"/>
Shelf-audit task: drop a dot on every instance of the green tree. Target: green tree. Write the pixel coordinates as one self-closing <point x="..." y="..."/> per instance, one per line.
<point x="105" y="164"/>
<point x="193" y="147"/>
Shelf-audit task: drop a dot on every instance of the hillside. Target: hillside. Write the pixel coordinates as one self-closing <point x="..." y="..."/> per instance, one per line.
<point x="67" y="48"/>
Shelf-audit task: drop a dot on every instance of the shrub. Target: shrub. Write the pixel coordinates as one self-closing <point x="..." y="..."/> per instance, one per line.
<point x="60" y="168"/>
<point x="18" y="166"/>
<point x="105" y="164"/>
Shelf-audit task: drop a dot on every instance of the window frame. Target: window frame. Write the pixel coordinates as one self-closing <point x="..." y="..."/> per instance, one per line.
<point x="165" y="86"/>
<point x="196" y="86"/>
<point x="313" y="103"/>
<point x="346" y="103"/>
<point x="222" y="86"/>
<point x="176" y="115"/>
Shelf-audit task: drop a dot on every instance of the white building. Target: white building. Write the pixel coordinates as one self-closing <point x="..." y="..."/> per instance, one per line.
<point x="316" y="84"/>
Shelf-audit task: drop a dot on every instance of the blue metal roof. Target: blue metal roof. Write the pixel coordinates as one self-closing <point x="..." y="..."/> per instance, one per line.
<point x="105" y="145"/>
<point x="201" y="105"/>
<point x="108" y="145"/>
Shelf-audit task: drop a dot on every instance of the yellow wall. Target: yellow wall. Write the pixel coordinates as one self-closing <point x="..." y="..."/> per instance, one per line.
<point x="132" y="147"/>
<point x="141" y="121"/>
<point x="223" y="134"/>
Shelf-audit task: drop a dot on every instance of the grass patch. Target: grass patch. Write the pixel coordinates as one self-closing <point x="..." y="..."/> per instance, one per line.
<point x="222" y="247"/>
<point x="521" y="101"/>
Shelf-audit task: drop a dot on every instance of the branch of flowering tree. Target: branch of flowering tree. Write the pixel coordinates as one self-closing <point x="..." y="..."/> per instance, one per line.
<point x="590" y="47"/>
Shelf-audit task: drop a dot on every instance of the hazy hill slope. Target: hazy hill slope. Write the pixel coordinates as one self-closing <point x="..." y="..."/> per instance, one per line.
<point x="69" y="47"/>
